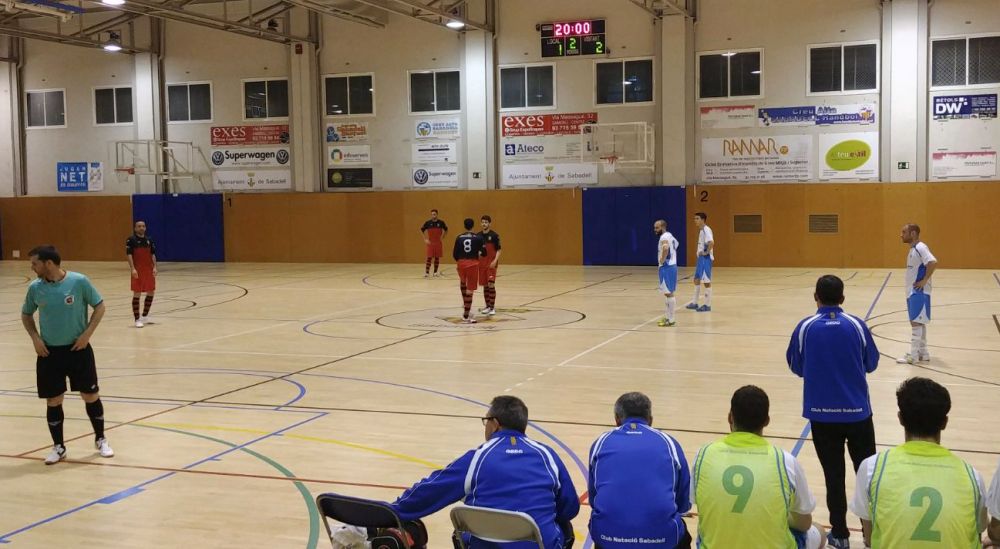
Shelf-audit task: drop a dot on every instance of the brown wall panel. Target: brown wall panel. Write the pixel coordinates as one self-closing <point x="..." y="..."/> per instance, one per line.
<point x="956" y="220"/>
<point x="82" y="228"/>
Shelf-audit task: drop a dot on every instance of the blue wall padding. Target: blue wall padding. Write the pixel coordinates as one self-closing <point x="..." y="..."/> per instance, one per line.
<point x="185" y="227"/>
<point x="618" y="224"/>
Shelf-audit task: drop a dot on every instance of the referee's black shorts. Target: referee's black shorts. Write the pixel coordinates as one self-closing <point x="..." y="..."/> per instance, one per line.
<point x="79" y="366"/>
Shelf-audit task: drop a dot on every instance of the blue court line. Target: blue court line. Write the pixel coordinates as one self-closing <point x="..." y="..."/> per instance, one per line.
<point x="138" y="488"/>
<point x="570" y="452"/>
<point x="808" y="428"/>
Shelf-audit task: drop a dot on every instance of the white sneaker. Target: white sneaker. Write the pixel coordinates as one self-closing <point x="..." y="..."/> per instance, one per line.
<point x="906" y="359"/>
<point x="924" y="357"/>
<point x="104" y="448"/>
<point x="484" y="310"/>
<point x="491" y="311"/>
<point x="426" y="275"/>
<point x="469" y="320"/>
<point x="57" y="454"/>
<point x="146" y="320"/>
<point x="139" y="324"/>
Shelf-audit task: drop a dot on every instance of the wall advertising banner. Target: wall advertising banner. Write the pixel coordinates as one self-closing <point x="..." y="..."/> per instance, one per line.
<point x="225" y="136"/>
<point x="862" y="114"/>
<point x="430" y="128"/>
<point x="79" y="176"/>
<point x="549" y="174"/>
<point x="728" y="117"/>
<point x="252" y="180"/>
<point x="851" y="156"/>
<point x="435" y="176"/>
<point x="958" y="107"/>
<point x="339" y="132"/>
<point x="786" y="116"/>
<point x="250" y="158"/>
<point x="526" y="125"/>
<point x="541" y="148"/>
<point x="435" y="153"/>
<point x="345" y="178"/>
<point x="771" y="158"/>
<point x="972" y="164"/>
<point x="349" y="155"/>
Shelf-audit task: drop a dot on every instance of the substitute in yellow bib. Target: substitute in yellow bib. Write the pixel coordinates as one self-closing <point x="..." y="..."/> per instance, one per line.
<point x="749" y="492"/>
<point x="919" y="494"/>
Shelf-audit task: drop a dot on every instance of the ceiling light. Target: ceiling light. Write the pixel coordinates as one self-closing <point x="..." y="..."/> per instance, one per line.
<point x="729" y="54"/>
<point x="754" y="72"/>
<point x="453" y="24"/>
<point x="114" y="42"/>
<point x="113" y="2"/>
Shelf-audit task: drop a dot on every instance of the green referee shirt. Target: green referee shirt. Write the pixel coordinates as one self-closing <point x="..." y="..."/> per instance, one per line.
<point x="62" y="307"/>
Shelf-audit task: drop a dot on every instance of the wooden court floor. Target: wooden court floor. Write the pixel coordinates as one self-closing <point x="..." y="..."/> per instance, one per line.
<point x="262" y="385"/>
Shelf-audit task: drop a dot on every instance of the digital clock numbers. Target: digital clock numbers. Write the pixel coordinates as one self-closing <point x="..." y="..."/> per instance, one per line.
<point x="568" y="38"/>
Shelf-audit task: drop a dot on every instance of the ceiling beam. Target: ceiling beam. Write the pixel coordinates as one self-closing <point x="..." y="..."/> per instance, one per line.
<point x="442" y="13"/>
<point x="20" y="32"/>
<point x="641" y="4"/>
<point x="677" y="8"/>
<point x="414" y="12"/>
<point x="319" y="7"/>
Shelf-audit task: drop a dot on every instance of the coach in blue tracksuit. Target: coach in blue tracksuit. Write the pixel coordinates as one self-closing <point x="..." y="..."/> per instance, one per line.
<point x="832" y="352"/>
<point x="509" y="472"/>
<point x="639" y="482"/>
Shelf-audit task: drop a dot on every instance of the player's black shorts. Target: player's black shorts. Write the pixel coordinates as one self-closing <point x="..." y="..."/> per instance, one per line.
<point x="79" y="366"/>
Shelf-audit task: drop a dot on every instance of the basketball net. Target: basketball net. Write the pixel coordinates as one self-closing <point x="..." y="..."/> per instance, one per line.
<point x="609" y="163"/>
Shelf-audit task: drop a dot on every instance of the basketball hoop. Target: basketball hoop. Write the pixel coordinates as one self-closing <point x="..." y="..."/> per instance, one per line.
<point x="609" y="163"/>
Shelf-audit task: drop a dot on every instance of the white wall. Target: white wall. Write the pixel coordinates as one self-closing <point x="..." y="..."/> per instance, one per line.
<point x="7" y="179"/>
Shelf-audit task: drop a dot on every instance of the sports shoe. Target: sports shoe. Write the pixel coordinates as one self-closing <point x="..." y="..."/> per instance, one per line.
<point x="924" y="357"/>
<point x="664" y="323"/>
<point x="837" y="543"/>
<point x="57" y="454"/>
<point x="906" y="359"/>
<point x="490" y="311"/>
<point x="692" y="305"/>
<point x="437" y="274"/>
<point x="469" y="320"/>
<point x="104" y="448"/>
<point x="139" y="324"/>
<point x="427" y="275"/>
<point x="704" y="309"/>
<point x="146" y="320"/>
<point x="484" y="310"/>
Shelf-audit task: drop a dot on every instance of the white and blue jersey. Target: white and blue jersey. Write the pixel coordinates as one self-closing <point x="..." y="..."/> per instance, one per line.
<point x="832" y="352"/>
<point x="639" y="486"/>
<point x="918" y="300"/>
<point x="510" y="472"/>
<point x="667" y="249"/>
<point x="703" y="266"/>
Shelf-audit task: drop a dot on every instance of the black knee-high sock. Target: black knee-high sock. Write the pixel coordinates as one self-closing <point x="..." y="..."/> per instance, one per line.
<point x="54" y="415"/>
<point x="491" y="296"/>
<point x="147" y="305"/>
<point x="427" y="266"/>
<point x="466" y="301"/>
<point x="135" y="307"/>
<point x="437" y="261"/>
<point x="95" y="411"/>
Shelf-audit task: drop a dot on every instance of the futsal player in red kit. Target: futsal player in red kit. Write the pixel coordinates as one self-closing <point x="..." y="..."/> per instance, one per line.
<point x="141" y="253"/>
<point x="467" y="253"/>
<point x="488" y="265"/>
<point x="433" y="231"/>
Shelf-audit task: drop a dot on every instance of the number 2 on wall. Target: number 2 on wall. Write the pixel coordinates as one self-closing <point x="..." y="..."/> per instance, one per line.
<point x="572" y="44"/>
<point x="600" y="47"/>
<point x="703" y="196"/>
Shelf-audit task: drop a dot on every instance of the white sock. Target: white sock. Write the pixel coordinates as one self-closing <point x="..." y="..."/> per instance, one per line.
<point x="697" y="293"/>
<point x="915" y="340"/>
<point x="923" y="339"/>
<point x="671" y="305"/>
<point x="708" y="297"/>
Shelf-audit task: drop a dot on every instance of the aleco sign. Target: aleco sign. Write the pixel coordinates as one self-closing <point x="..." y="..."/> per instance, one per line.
<point x="274" y="134"/>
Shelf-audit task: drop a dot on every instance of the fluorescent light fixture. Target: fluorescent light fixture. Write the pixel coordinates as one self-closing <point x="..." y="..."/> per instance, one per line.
<point x="754" y="72"/>
<point x="111" y="46"/>
<point x="114" y="42"/>
<point x="729" y="54"/>
<point x="455" y="24"/>
<point x="113" y="2"/>
<point x="627" y="82"/>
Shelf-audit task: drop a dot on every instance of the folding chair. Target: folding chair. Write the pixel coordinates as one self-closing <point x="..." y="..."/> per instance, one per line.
<point x="495" y="525"/>
<point x="374" y="515"/>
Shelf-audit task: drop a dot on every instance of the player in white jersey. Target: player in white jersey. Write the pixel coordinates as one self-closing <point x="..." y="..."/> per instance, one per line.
<point x="993" y="506"/>
<point x="920" y="265"/>
<point x="703" y="269"/>
<point x="667" y="260"/>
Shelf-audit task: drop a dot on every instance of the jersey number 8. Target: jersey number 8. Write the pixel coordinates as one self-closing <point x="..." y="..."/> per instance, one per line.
<point x="467" y="245"/>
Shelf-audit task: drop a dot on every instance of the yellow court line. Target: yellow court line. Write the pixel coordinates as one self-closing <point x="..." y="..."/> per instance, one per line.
<point x="404" y="457"/>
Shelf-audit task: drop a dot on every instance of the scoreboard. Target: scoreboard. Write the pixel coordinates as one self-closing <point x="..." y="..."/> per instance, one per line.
<point x="569" y="38"/>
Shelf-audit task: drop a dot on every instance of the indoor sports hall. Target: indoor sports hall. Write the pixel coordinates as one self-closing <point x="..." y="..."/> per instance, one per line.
<point x="305" y="336"/>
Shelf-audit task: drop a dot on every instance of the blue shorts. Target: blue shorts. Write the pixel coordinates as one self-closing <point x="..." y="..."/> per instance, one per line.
<point x="703" y="269"/>
<point x="800" y="538"/>
<point x="668" y="278"/>
<point x="919" y="307"/>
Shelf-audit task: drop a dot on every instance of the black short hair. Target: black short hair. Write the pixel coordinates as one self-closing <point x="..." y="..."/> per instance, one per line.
<point x="510" y="412"/>
<point x="923" y="406"/>
<point x="633" y="404"/>
<point x="913" y="227"/>
<point x="434" y="210"/>
<point x="469" y="223"/>
<point x="486" y="218"/>
<point x="46" y="253"/>
<point x="702" y="215"/>
<point x="137" y="221"/>
<point x="750" y="408"/>
<point x="830" y="290"/>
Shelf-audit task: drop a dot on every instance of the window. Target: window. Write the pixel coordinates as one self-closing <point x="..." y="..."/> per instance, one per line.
<point x="113" y="106"/>
<point x="46" y="108"/>
<point x="265" y="99"/>
<point x="729" y="74"/>
<point x="435" y="91"/>
<point x="841" y="68"/>
<point x="624" y="82"/>
<point x="526" y="87"/>
<point x="189" y="102"/>
<point x="968" y="61"/>
<point x="349" y="94"/>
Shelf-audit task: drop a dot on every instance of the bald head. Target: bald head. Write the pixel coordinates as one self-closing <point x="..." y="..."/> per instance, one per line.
<point x="910" y="233"/>
<point x="660" y="226"/>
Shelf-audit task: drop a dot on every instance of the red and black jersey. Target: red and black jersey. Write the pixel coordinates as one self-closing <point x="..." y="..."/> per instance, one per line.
<point x="435" y="229"/>
<point x="142" y="250"/>
<point x="468" y="246"/>
<point x="491" y="241"/>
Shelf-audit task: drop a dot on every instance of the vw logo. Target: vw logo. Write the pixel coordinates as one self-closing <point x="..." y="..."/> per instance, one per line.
<point x="218" y="158"/>
<point x="282" y="156"/>
<point x="421" y="176"/>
